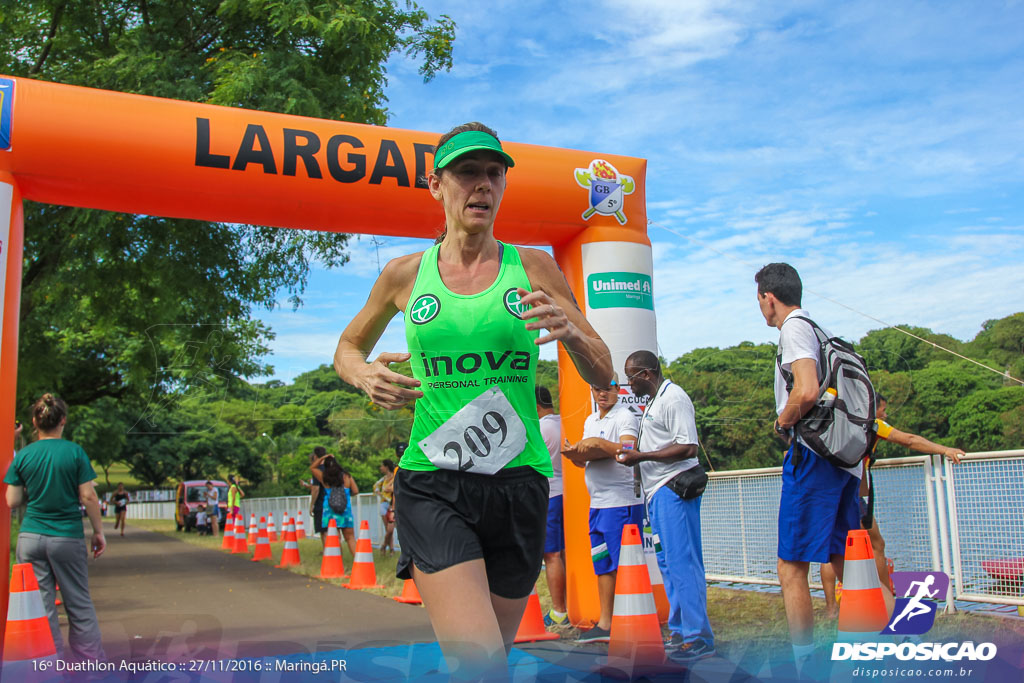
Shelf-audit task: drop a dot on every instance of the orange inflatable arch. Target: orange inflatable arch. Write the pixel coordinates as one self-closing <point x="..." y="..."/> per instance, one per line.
<point x="75" y="146"/>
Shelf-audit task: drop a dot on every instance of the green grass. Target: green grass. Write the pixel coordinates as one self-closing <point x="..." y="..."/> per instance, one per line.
<point x="742" y="620"/>
<point x="15" y="525"/>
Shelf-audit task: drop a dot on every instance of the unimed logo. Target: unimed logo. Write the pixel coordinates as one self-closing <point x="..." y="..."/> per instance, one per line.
<point x="620" y="290"/>
<point x="916" y="596"/>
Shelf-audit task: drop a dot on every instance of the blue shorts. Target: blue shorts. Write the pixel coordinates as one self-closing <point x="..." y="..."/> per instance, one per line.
<point x="554" y="541"/>
<point x="819" y="505"/>
<point x="606" y="534"/>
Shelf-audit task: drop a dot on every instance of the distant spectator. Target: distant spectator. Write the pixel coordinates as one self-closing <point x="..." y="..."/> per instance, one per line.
<point x="213" y="507"/>
<point x="235" y="496"/>
<point x="673" y="481"/>
<point x="554" y="537"/>
<point x="332" y="476"/>
<point x="51" y="476"/>
<point x="202" y="521"/>
<point x="614" y="499"/>
<point x="316" y="493"/>
<point x="818" y="502"/>
<point x="385" y="488"/>
<point x="868" y="522"/>
<point x="121" y="500"/>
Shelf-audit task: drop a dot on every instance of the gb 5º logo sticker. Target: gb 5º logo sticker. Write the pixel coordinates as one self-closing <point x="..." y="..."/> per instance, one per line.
<point x="607" y="187"/>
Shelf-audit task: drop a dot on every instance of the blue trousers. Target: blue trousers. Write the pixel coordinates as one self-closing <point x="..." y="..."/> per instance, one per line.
<point x="681" y="560"/>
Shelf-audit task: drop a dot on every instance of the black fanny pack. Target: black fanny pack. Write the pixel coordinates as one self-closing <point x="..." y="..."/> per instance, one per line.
<point x="690" y="483"/>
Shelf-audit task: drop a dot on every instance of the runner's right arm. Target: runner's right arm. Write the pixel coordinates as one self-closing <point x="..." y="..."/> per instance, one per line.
<point x="389" y="295"/>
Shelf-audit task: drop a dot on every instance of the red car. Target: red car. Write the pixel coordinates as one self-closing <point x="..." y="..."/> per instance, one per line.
<point x="190" y="495"/>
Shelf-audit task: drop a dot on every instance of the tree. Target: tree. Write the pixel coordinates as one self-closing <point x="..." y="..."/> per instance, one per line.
<point x="895" y="351"/>
<point x="149" y="311"/>
<point x="99" y="429"/>
<point x="1002" y="341"/>
<point x="977" y="423"/>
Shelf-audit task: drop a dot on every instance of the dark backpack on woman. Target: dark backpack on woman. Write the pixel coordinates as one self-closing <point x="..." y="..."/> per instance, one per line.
<point x="337" y="500"/>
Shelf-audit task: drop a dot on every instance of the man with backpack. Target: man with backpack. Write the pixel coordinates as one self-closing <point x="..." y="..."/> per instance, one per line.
<point x="819" y="504"/>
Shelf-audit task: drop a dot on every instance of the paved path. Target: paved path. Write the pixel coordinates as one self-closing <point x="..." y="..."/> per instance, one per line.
<point x="160" y="598"/>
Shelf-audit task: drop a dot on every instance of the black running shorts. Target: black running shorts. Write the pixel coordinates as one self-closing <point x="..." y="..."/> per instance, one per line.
<point x="445" y="518"/>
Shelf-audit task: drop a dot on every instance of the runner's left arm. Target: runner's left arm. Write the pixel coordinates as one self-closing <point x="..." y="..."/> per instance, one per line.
<point x="553" y="308"/>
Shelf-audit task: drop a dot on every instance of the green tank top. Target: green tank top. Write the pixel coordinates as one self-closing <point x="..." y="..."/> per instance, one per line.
<point x="477" y="365"/>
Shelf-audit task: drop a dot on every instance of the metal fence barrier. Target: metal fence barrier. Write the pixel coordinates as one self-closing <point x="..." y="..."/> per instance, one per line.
<point x="966" y="520"/>
<point x="162" y="510"/>
<point x="985" y="497"/>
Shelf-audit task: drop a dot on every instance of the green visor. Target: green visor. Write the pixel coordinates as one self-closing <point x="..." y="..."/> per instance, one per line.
<point x="469" y="141"/>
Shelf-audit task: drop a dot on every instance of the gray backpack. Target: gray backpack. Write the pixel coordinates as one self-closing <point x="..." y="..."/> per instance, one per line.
<point x="841" y="425"/>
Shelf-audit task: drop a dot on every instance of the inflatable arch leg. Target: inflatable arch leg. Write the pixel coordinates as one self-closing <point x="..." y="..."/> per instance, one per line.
<point x="609" y="269"/>
<point x="11" y="237"/>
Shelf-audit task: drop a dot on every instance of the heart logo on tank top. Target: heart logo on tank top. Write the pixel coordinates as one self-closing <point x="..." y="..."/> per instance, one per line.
<point x="514" y="303"/>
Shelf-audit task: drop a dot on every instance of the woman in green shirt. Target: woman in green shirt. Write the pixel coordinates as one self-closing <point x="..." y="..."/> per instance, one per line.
<point x="471" y="488"/>
<point x="51" y="475"/>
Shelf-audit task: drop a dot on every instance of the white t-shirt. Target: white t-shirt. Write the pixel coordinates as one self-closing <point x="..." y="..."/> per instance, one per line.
<point x="797" y="340"/>
<point x="669" y="418"/>
<point x="551" y="431"/>
<point x="610" y="484"/>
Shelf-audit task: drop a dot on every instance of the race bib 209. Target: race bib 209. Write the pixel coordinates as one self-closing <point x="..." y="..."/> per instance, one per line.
<point x="484" y="436"/>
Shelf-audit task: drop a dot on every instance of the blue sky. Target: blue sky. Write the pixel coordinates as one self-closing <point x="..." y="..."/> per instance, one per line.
<point x="876" y="146"/>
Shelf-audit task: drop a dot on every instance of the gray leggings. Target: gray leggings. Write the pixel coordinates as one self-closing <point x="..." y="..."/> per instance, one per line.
<point x="63" y="560"/>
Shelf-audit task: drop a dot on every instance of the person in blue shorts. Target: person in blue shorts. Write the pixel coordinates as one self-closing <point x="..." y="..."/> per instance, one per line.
<point x="614" y="501"/>
<point x="554" y="539"/>
<point x="819" y="502"/>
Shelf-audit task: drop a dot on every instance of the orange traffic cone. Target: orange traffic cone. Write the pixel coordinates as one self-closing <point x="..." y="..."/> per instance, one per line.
<point x="410" y="594"/>
<point x="271" y="529"/>
<point x="253" y="530"/>
<point x="300" y="533"/>
<point x="364" y="575"/>
<point x="228" y="541"/>
<point x="332" y="566"/>
<point x="240" y="543"/>
<point x="531" y="626"/>
<point x="262" y="549"/>
<point x="652" y="544"/>
<point x="28" y="639"/>
<point x="635" y="633"/>
<point x="862" y="613"/>
<point x="290" y="553"/>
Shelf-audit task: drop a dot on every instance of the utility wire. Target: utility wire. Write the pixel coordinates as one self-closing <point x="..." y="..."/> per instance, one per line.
<point x="1005" y="375"/>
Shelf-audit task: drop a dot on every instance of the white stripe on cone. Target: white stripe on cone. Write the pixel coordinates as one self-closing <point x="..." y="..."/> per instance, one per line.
<point x="24" y="605"/>
<point x="634" y="605"/>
